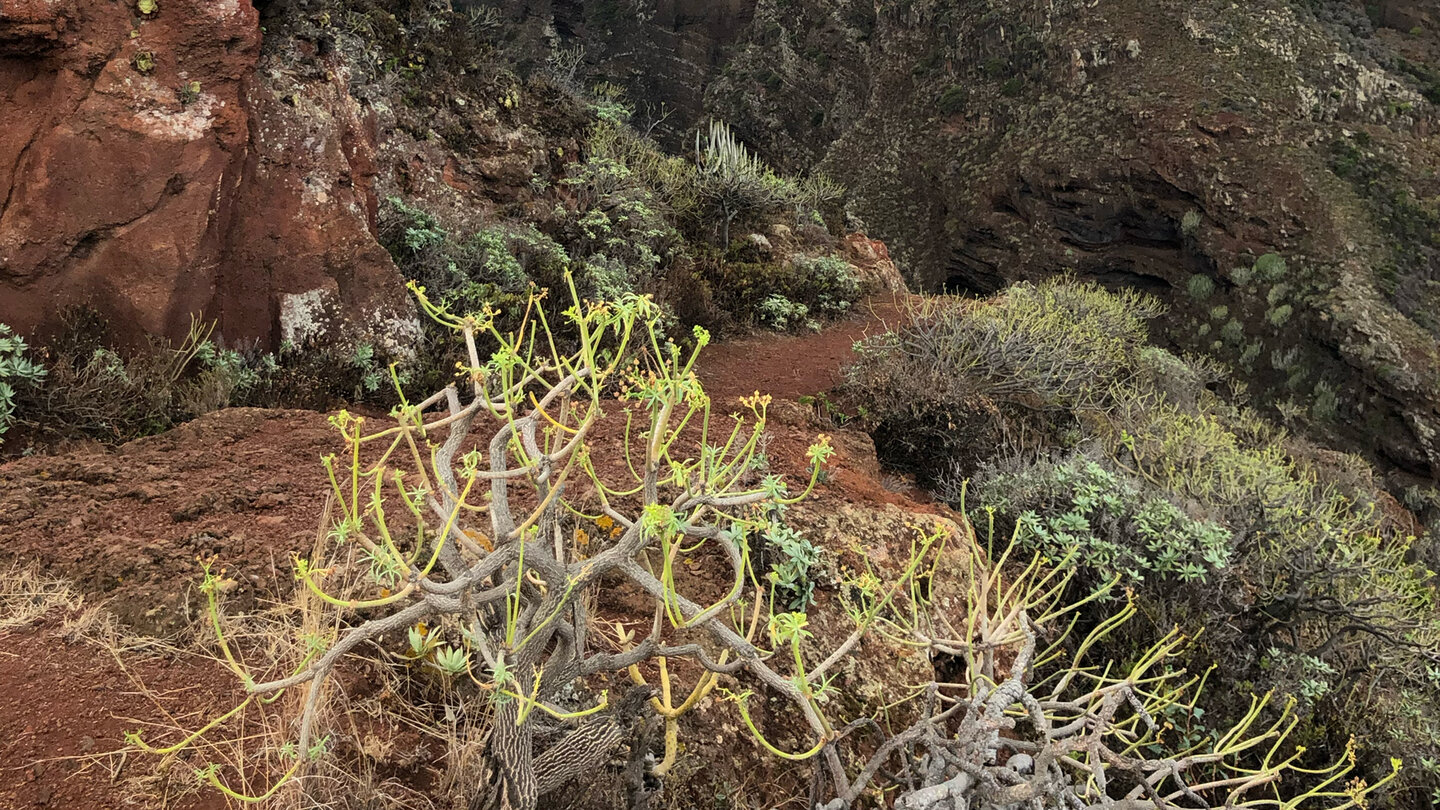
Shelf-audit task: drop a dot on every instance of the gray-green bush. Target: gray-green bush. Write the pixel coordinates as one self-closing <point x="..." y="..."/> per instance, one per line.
<point x="1118" y="522"/>
<point x="969" y="379"/>
<point x="92" y="390"/>
<point x="15" y="369"/>
<point x="735" y="183"/>
<point x="830" y="282"/>
<point x="1200" y="286"/>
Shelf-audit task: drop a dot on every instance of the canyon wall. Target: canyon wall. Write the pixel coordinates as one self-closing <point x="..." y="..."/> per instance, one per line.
<point x="156" y="167"/>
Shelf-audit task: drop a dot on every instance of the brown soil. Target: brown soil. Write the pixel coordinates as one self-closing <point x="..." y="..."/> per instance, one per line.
<point x="65" y="705"/>
<point x="792" y="366"/>
<point x="127" y="524"/>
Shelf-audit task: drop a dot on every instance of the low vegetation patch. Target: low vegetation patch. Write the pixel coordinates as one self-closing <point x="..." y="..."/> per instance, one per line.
<point x="1217" y="520"/>
<point x="472" y="571"/>
<point x="630" y="219"/>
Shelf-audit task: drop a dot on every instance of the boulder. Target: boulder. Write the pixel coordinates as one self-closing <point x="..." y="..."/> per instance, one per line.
<point x="147" y="170"/>
<point x="872" y="263"/>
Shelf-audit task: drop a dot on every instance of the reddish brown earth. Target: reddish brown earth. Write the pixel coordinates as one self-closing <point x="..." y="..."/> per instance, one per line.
<point x="792" y="366"/>
<point x="150" y="169"/>
<point x="126" y="525"/>
<point x="65" y="704"/>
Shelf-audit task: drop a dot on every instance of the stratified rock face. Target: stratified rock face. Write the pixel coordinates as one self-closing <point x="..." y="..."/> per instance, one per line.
<point x="149" y="171"/>
<point x="669" y="55"/>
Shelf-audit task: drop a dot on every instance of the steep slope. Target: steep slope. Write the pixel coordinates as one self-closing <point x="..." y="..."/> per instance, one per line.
<point x="1168" y="147"/>
<point x="1160" y="145"/>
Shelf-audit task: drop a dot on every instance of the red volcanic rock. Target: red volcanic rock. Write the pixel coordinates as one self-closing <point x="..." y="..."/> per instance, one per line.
<point x="34" y="22"/>
<point x="148" y="170"/>
<point x="305" y="218"/>
<point x="872" y="259"/>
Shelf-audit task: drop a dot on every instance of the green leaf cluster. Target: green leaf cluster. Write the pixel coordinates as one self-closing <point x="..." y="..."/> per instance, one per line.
<point x="1116" y="521"/>
<point x="15" y="369"/>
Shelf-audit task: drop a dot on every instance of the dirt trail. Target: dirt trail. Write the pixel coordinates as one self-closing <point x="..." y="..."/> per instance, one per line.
<point x="792" y="366"/>
<point x="126" y="524"/>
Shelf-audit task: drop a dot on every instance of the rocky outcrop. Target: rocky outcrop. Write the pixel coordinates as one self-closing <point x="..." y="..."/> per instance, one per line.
<point x="153" y="167"/>
<point x="1164" y="146"/>
<point x="788" y="80"/>
<point x="874" y="267"/>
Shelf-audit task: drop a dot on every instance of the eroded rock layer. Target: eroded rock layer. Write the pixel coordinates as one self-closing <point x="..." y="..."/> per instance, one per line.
<point x="154" y="167"/>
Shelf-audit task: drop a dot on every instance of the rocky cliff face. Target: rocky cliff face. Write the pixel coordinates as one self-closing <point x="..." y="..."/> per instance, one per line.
<point x="790" y="77"/>
<point x="157" y="165"/>
<point x="1167" y="146"/>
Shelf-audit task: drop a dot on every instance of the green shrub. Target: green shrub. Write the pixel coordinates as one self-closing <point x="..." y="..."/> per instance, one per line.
<point x="1190" y="223"/>
<point x="15" y="369"/>
<point x="1285" y="359"/>
<point x="1269" y="268"/>
<point x="956" y="377"/>
<point x="1312" y="677"/>
<point x="1178" y="379"/>
<point x="825" y="286"/>
<point x="792" y="558"/>
<point x="673" y="180"/>
<point x="1251" y="354"/>
<point x="1200" y="286"/>
<point x="1279" y="315"/>
<point x="953" y="100"/>
<point x="492" y="266"/>
<point x="779" y="312"/>
<point x="1318" y="553"/>
<point x="1325" y="403"/>
<point x="319" y="377"/>
<point x="1297" y="377"/>
<point x="827" y="283"/>
<point x="735" y="184"/>
<point x="609" y="105"/>
<point x="1118" y="523"/>
<point x="620" y="230"/>
<point x="818" y="193"/>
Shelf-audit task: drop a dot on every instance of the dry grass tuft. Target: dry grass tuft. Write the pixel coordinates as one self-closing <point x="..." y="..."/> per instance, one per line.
<point x="390" y="741"/>
<point x="26" y="594"/>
